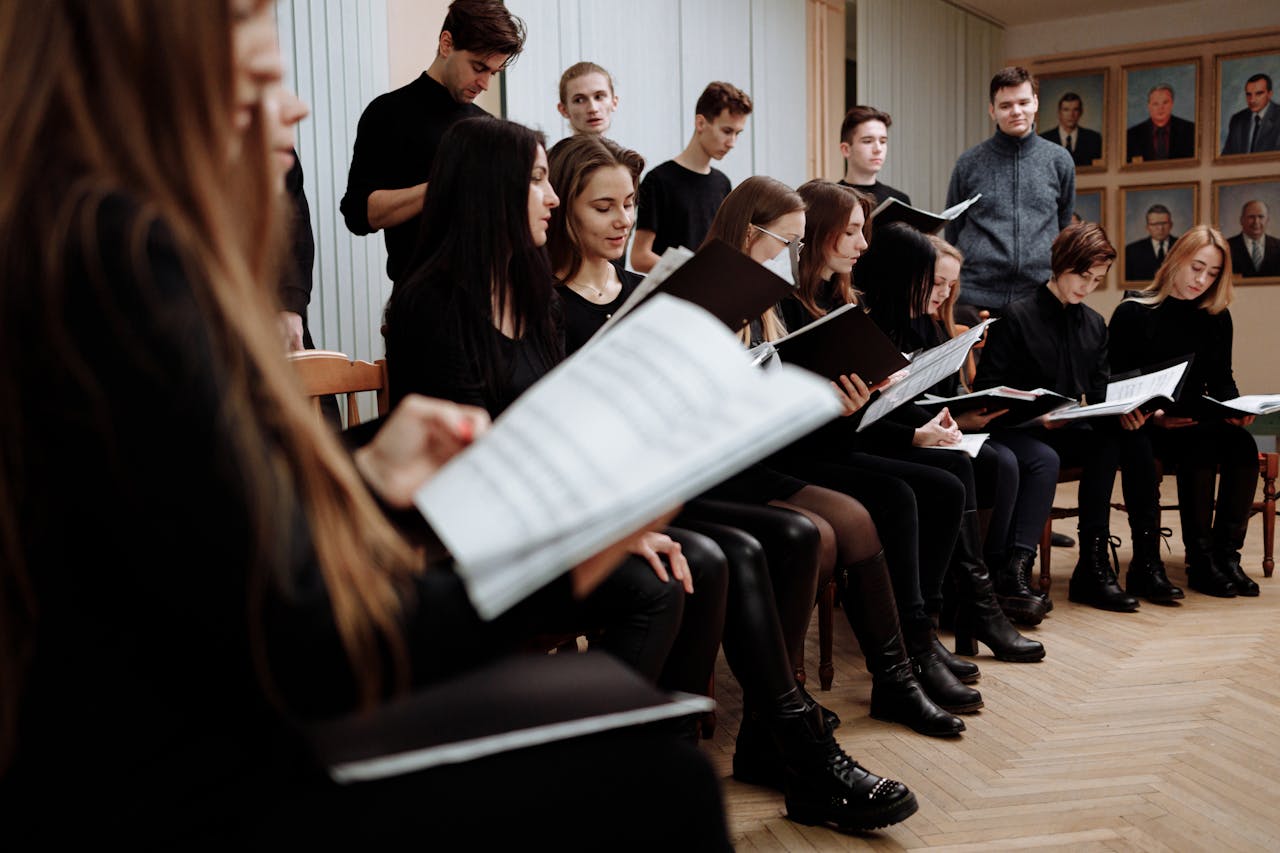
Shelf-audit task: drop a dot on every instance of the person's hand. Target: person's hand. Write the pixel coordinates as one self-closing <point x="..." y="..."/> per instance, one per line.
<point x="291" y="330"/>
<point x="1165" y="421"/>
<point x="977" y="419"/>
<point x="941" y="430"/>
<point x="1133" y="420"/>
<point x="853" y="393"/>
<point x="652" y="545"/>
<point x="421" y="435"/>
<point x="588" y="574"/>
<point x="1242" y="422"/>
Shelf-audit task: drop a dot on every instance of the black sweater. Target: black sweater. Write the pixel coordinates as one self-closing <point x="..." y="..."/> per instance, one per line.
<point x="1042" y="343"/>
<point x="1144" y="335"/>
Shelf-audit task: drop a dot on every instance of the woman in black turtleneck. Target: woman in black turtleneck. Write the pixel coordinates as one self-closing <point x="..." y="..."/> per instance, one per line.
<point x="1185" y="314"/>
<point x="1051" y="340"/>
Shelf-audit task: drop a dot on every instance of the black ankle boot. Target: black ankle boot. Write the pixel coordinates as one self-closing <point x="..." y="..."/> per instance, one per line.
<point x="1016" y="599"/>
<point x="830" y="717"/>
<point x="1094" y="580"/>
<point x="1204" y="573"/>
<point x="896" y="696"/>
<point x="824" y="786"/>
<point x="979" y="616"/>
<point x="939" y="682"/>
<point x="1226" y="556"/>
<point x="1146" y="576"/>
<point x="966" y="672"/>
<point x="756" y="757"/>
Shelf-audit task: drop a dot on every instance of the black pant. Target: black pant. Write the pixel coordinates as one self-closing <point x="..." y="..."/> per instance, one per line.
<point x="1198" y="452"/>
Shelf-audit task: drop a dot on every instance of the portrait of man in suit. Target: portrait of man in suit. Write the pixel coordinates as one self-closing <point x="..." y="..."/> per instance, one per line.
<point x="1143" y="257"/>
<point x="1257" y="126"/>
<point x="1254" y="252"/>
<point x="1084" y="145"/>
<point x="1163" y="136"/>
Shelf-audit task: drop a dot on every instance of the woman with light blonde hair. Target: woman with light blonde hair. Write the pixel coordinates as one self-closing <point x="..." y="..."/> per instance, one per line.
<point x="1186" y="314"/>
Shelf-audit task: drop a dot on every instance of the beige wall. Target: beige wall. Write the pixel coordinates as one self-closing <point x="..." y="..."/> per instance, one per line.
<point x="413" y="28"/>
<point x="1257" y="307"/>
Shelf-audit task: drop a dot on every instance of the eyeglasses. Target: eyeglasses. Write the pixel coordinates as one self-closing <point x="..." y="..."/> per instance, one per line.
<point x="783" y="240"/>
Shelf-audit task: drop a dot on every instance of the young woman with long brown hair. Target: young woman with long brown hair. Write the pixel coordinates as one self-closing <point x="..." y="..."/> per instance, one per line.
<point x="192" y="565"/>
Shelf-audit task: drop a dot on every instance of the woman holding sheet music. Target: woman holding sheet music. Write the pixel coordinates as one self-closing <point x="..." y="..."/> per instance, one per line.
<point x="879" y="580"/>
<point x="783" y="741"/>
<point x="258" y="585"/>
<point x="1185" y="314"/>
<point x="905" y="497"/>
<point x="1052" y="340"/>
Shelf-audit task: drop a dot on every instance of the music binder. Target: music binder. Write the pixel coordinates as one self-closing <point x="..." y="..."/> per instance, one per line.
<point x="895" y="210"/>
<point x="845" y="341"/>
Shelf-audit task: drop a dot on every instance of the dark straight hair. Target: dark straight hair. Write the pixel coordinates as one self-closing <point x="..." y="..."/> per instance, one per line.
<point x="895" y="275"/>
<point x="475" y="243"/>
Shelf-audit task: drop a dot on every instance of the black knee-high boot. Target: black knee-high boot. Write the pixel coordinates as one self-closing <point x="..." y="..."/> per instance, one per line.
<point x="966" y="671"/>
<point x="979" y="616"/>
<point x="896" y="695"/>
<point x="939" y="682"/>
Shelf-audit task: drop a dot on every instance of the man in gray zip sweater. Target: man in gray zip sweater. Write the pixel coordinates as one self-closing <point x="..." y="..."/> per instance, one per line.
<point x="1028" y="187"/>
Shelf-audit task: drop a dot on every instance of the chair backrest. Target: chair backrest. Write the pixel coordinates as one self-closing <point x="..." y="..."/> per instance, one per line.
<point x="324" y="372"/>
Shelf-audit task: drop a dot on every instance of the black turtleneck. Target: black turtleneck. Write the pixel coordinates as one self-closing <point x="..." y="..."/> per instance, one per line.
<point x="1146" y="335"/>
<point x="1042" y="343"/>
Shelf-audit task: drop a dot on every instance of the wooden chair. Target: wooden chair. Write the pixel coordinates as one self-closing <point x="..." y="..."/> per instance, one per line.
<point x="1268" y="468"/>
<point x="324" y="372"/>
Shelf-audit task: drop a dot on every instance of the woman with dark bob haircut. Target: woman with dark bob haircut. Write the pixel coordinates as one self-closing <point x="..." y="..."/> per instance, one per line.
<point x="1051" y="339"/>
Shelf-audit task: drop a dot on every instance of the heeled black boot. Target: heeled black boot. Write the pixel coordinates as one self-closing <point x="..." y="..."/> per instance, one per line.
<point x="966" y="672"/>
<point x="939" y="682"/>
<point x="822" y="784"/>
<point x="896" y="696"/>
<point x="1094" y="580"/>
<point x="1204" y="573"/>
<point x="979" y="616"/>
<point x="1227" y="543"/>
<point x="1016" y="599"/>
<point x="1146" y="576"/>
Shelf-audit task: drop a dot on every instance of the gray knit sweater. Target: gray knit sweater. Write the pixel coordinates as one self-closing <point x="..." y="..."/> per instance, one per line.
<point x="1028" y="188"/>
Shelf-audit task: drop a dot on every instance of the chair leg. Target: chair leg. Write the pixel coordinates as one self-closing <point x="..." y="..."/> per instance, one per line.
<point x="707" y="725"/>
<point x="826" y="606"/>
<point x="1046" y="553"/>
<point x="1268" y="467"/>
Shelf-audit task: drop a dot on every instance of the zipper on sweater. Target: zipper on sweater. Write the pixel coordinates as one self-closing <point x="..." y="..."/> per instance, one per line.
<point x="1017" y="221"/>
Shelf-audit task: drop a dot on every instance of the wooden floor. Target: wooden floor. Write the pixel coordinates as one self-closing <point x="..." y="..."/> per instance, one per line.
<point x="1157" y="730"/>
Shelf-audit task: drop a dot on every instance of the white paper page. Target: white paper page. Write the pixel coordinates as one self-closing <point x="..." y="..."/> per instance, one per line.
<point x="1254" y="404"/>
<point x="659" y="410"/>
<point x="928" y="369"/>
<point x="672" y="259"/>
<point x="955" y="210"/>
<point x="970" y="442"/>
<point x="1125" y="395"/>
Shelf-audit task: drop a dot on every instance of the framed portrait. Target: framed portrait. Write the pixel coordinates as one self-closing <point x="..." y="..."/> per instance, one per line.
<point x="1243" y="211"/>
<point x="1247" y="116"/>
<point x="1073" y="114"/>
<point x="1158" y="105"/>
<point x="1091" y="206"/>
<point x="1151" y="218"/>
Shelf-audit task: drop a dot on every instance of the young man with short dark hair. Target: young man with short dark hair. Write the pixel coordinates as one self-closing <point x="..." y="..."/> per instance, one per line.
<point x="399" y="131"/>
<point x="1028" y="188"/>
<point x="679" y="198"/>
<point x="864" y="143"/>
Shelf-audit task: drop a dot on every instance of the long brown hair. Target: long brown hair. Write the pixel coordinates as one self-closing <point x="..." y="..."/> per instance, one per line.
<point x="828" y="206"/>
<point x="573" y="161"/>
<point x="1218" y="295"/>
<point x="755" y="201"/>
<point x="166" y="74"/>
<point x="947" y="310"/>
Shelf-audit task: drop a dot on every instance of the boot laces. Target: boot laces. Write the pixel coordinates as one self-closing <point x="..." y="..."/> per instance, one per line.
<point x="1165" y="533"/>
<point x="1110" y="569"/>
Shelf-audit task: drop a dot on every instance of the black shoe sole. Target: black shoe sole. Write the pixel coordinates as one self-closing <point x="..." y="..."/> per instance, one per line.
<point x="1114" y="607"/>
<point x="885" y="718"/>
<point x="971" y="708"/>
<point x="889" y="815"/>
<point x="1215" y="593"/>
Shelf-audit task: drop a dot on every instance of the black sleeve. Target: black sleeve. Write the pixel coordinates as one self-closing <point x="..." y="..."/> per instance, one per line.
<point x="648" y="200"/>
<point x="297" y="281"/>
<point x="1001" y="352"/>
<point x="1100" y="371"/>
<point x="370" y="157"/>
<point x="1220" y="382"/>
<point x="1125" y="334"/>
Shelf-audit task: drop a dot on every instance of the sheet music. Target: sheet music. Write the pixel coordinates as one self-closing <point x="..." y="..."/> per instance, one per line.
<point x="970" y="442"/>
<point x="957" y="209"/>
<point x="660" y="410"/>
<point x="1253" y="404"/>
<point x="928" y="369"/>
<point x="1125" y="395"/>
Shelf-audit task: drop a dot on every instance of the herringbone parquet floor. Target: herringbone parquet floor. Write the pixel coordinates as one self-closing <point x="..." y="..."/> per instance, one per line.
<point x="1158" y="730"/>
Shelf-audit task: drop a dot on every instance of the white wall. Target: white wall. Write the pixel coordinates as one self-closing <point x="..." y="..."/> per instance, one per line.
<point x="335" y="54"/>
<point x="1156" y="23"/>
<point x="928" y="64"/>
<point x="662" y="53"/>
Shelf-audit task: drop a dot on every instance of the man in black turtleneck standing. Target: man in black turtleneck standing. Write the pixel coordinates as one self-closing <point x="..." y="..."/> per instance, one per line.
<point x="1028" y="187"/>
